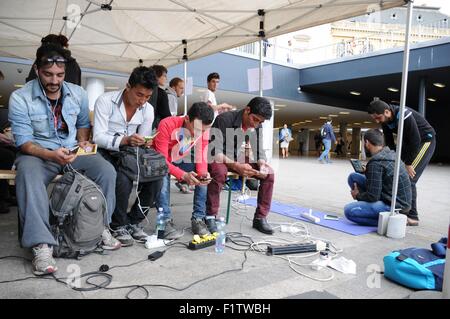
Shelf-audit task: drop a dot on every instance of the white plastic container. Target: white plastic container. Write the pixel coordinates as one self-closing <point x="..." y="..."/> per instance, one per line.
<point x="396" y="226"/>
<point x="383" y="219"/>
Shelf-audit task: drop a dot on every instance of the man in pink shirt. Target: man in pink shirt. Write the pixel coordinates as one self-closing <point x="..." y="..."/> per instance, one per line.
<point x="177" y="137"/>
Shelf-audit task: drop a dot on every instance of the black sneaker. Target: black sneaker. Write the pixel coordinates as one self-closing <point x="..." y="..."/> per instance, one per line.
<point x="170" y="232"/>
<point x="122" y="235"/>
<point x="137" y="232"/>
<point x="211" y="224"/>
<point x="199" y="227"/>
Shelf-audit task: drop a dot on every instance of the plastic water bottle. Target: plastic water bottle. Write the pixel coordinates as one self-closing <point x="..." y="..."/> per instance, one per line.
<point x="160" y="223"/>
<point x="220" y="240"/>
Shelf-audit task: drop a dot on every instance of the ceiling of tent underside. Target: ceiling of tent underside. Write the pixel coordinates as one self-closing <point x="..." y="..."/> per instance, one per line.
<point x="124" y="31"/>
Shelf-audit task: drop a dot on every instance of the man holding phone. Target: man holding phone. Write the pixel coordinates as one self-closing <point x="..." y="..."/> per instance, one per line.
<point x="373" y="189"/>
<point x="224" y="146"/>
<point x="178" y="136"/>
<point x="49" y="117"/>
<point x="125" y="118"/>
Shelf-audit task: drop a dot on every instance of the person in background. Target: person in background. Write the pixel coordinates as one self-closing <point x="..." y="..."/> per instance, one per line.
<point x="328" y="137"/>
<point x="285" y="137"/>
<point x="174" y="91"/>
<point x="210" y="96"/>
<point x="162" y="109"/>
<point x="419" y="143"/>
<point x="73" y="71"/>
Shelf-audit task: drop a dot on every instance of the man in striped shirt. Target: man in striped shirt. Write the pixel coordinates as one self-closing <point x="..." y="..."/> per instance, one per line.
<point x="419" y="143"/>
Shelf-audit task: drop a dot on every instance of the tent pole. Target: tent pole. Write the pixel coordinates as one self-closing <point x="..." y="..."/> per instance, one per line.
<point x="261" y="67"/>
<point x="185" y="59"/>
<point x="402" y="107"/>
<point x="185" y="86"/>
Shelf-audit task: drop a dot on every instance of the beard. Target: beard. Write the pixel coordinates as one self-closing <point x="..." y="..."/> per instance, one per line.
<point x="51" y="88"/>
<point x="368" y="153"/>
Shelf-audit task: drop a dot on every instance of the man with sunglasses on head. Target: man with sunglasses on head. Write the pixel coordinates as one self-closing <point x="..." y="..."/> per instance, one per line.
<point x="49" y="118"/>
<point x="230" y="131"/>
<point x="178" y="136"/>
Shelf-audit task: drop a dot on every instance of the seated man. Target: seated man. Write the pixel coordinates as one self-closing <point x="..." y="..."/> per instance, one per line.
<point x="373" y="190"/>
<point x="246" y="122"/>
<point x="177" y="136"/>
<point x="49" y="117"/>
<point x="124" y="118"/>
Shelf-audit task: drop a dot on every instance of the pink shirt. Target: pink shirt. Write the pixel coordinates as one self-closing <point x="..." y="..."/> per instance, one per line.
<point x="167" y="144"/>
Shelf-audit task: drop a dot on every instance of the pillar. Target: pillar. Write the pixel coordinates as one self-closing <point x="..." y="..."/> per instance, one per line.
<point x="94" y="87"/>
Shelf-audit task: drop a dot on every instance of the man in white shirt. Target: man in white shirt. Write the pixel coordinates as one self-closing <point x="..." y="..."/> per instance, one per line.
<point x="125" y="118"/>
<point x="210" y="96"/>
<point x="174" y="91"/>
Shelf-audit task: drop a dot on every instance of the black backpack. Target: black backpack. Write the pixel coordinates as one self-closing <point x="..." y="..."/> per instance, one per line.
<point x="142" y="162"/>
<point x="78" y="215"/>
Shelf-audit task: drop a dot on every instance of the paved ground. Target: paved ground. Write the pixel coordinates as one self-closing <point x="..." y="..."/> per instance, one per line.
<point x="299" y="180"/>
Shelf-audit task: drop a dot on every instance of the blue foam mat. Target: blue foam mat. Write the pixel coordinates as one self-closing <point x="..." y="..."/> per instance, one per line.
<point x="294" y="211"/>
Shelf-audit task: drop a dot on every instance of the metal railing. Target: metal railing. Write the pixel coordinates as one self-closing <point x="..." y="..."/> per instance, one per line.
<point x="356" y="38"/>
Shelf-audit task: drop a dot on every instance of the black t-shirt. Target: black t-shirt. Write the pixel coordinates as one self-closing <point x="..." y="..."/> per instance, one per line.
<point x="58" y="119"/>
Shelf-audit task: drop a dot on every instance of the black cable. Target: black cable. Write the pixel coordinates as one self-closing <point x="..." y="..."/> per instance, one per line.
<point x="108" y="277"/>
<point x="13" y="256"/>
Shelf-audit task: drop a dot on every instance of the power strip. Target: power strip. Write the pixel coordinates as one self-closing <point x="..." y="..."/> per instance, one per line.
<point x="198" y="242"/>
<point x="296" y="248"/>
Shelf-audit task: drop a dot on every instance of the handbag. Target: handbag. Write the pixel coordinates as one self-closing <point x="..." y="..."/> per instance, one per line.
<point x="142" y="164"/>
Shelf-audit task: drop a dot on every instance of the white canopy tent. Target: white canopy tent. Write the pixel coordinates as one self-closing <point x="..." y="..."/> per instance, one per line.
<point x="114" y="34"/>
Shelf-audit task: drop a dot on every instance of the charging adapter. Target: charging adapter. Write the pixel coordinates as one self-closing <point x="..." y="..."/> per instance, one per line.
<point x="155" y="255"/>
<point x="309" y="216"/>
<point x="289" y="229"/>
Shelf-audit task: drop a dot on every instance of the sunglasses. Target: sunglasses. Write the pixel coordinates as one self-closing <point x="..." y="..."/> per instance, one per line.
<point x="60" y="62"/>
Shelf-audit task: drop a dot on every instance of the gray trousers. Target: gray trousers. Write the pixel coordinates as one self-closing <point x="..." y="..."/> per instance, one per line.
<point x="35" y="174"/>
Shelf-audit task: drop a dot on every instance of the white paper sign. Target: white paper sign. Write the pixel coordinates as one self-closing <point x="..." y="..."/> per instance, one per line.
<point x="253" y="78"/>
<point x="188" y="86"/>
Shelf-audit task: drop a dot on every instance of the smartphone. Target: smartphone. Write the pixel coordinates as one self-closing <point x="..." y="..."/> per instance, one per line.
<point x="74" y="151"/>
<point x="331" y="217"/>
<point x="204" y="179"/>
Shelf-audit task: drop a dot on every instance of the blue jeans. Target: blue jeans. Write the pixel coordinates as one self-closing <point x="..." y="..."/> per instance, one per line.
<point x="199" y="206"/>
<point x="326" y="152"/>
<point x="363" y="213"/>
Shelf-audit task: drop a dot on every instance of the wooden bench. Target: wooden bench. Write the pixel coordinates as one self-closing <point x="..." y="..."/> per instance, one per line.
<point x="9" y="175"/>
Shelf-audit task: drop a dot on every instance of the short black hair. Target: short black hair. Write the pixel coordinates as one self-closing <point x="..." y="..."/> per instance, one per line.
<point x="260" y="106"/>
<point x="378" y="107"/>
<point x="174" y="82"/>
<point x="201" y="111"/>
<point x="144" y="76"/>
<point x="56" y="39"/>
<point x="159" y="69"/>
<point x="50" y="50"/>
<point x="375" y="137"/>
<point x="213" y="75"/>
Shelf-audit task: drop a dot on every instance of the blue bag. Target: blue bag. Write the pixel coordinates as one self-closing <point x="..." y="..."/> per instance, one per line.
<point x="416" y="268"/>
